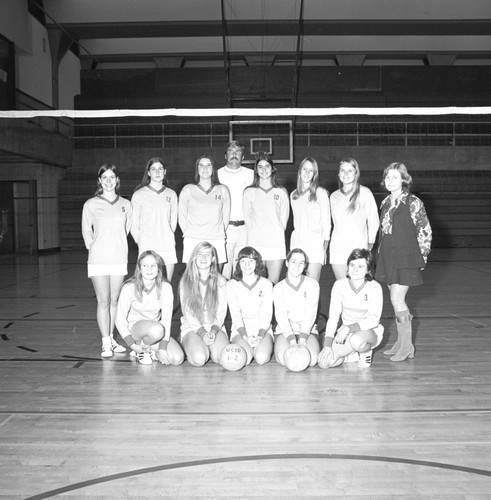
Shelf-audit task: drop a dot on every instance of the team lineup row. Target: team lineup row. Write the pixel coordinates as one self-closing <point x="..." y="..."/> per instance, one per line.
<point x="247" y="208"/>
<point x="145" y="308"/>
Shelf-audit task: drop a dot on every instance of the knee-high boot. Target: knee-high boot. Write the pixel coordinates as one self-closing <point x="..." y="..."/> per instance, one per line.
<point x="397" y="345"/>
<point x="405" y="332"/>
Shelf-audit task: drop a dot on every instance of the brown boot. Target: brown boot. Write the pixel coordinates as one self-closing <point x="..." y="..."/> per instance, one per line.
<point x="405" y="332"/>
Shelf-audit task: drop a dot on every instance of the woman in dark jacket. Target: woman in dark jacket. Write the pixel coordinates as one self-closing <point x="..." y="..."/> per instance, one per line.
<point x="404" y="246"/>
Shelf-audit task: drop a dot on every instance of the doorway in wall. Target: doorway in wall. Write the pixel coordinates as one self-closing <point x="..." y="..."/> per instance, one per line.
<point x="18" y="217"/>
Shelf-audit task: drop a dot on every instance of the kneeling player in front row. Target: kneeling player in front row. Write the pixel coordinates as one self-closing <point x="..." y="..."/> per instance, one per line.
<point x="295" y="303"/>
<point x="357" y="300"/>
<point x="145" y="313"/>
<point x="250" y="299"/>
<point x="203" y="293"/>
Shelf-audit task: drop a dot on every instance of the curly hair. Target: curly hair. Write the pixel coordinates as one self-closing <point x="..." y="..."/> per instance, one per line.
<point x="407" y="180"/>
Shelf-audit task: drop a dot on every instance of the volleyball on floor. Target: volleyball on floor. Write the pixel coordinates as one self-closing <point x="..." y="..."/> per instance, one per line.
<point x="233" y="357"/>
<point x="297" y="358"/>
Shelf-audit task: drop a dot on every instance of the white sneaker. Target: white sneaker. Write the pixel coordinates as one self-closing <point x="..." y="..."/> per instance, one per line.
<point x="153" y="355"/>
<point x="117" y="347"/>
<point x="144" y="358"/>
<point x="352" y="358"/>
<point x="107" y="350"/>
<point x="365" y="359"/>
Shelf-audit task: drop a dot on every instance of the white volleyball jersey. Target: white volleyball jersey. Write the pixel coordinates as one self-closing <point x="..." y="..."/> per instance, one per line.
<point x="105" y="228"/>
<point x="266" y="215"/>
<point x="204" y="214"/>
<point x="154" y="219"/>
<point x="296" y="306"/>
<point x="251" y="307"/>
<point x="359" y="309"/>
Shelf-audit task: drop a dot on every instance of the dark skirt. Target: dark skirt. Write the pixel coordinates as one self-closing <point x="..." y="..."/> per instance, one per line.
<point x="386" y="271"/>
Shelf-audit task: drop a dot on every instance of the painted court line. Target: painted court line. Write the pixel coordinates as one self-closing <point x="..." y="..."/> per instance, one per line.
<point x="213" y="461"/>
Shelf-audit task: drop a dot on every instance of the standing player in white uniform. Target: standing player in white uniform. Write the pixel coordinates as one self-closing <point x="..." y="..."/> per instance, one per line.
<point x="155" y="215"/>
<point x="236" y="178"/>
<point x="354" y="215"/>
<point x="295" y="303"/>
<point x="203" y="294"/>
<point x="250" y="300"/>
<point x="204" y="211"/>
<point x="311" y="216"/>
<point x="144" y="315"/>
<point x="357" y="300"/>
<point x="106" y="221"/>
<point x="266" y="210"/>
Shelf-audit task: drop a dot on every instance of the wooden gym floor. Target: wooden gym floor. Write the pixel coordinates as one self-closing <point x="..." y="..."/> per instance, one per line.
<point x="75" y="426"/>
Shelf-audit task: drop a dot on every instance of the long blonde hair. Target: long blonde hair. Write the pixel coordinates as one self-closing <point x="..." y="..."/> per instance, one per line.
<point x="315" y="180"/>
<point x="137" y="278"/>
<point x="191" y="297"/>
<point x="353" y="201"/>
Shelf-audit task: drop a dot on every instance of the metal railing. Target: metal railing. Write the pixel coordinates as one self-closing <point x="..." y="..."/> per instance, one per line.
<point x="414" y="132"/>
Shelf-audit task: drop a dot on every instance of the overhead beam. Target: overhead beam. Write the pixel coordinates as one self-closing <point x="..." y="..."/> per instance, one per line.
<point x="168" y="61"/>
<point x="226" y="61"/>
<point x="298" y="57"/>
<point x="441" y="59"/>
<point x="350" y="59"/>
<point x="260" y="59"/>
<point x="382" y="27"/>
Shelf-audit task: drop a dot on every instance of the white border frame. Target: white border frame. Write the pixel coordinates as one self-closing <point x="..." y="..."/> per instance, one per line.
<point x="269" y="149"/>
<point x="269" y="122"/>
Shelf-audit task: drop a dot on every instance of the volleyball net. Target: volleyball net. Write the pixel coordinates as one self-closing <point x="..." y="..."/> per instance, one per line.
<point x="281" y="132"/>
<point x="276" y="130"/>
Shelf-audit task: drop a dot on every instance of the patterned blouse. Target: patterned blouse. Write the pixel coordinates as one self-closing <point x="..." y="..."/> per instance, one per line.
<point x="418" y="216"/>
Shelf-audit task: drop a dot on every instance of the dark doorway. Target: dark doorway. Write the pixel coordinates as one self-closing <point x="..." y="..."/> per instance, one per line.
<point x="18" y="221"/>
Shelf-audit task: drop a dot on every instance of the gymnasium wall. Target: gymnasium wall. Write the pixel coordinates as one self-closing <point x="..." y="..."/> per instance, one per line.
<point x="69" y="80"/>
<point x="47" y="178"/>
<point x="273" y="86"/>
<point x="14" y="23"/>
<point x="34" y="65"/>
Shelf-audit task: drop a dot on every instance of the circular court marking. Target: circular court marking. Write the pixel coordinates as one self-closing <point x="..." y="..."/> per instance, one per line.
<point x="249" y="458"/>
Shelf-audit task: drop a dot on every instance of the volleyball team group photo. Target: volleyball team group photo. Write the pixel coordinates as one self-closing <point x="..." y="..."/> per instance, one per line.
<point x="249" y="291"/>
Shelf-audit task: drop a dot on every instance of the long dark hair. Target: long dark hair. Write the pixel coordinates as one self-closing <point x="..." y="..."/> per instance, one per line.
<point x="105" y="168"/>
<point x="146" y="178"/>
<point x="267" y="158"/>
<point x="214" y="176"/>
